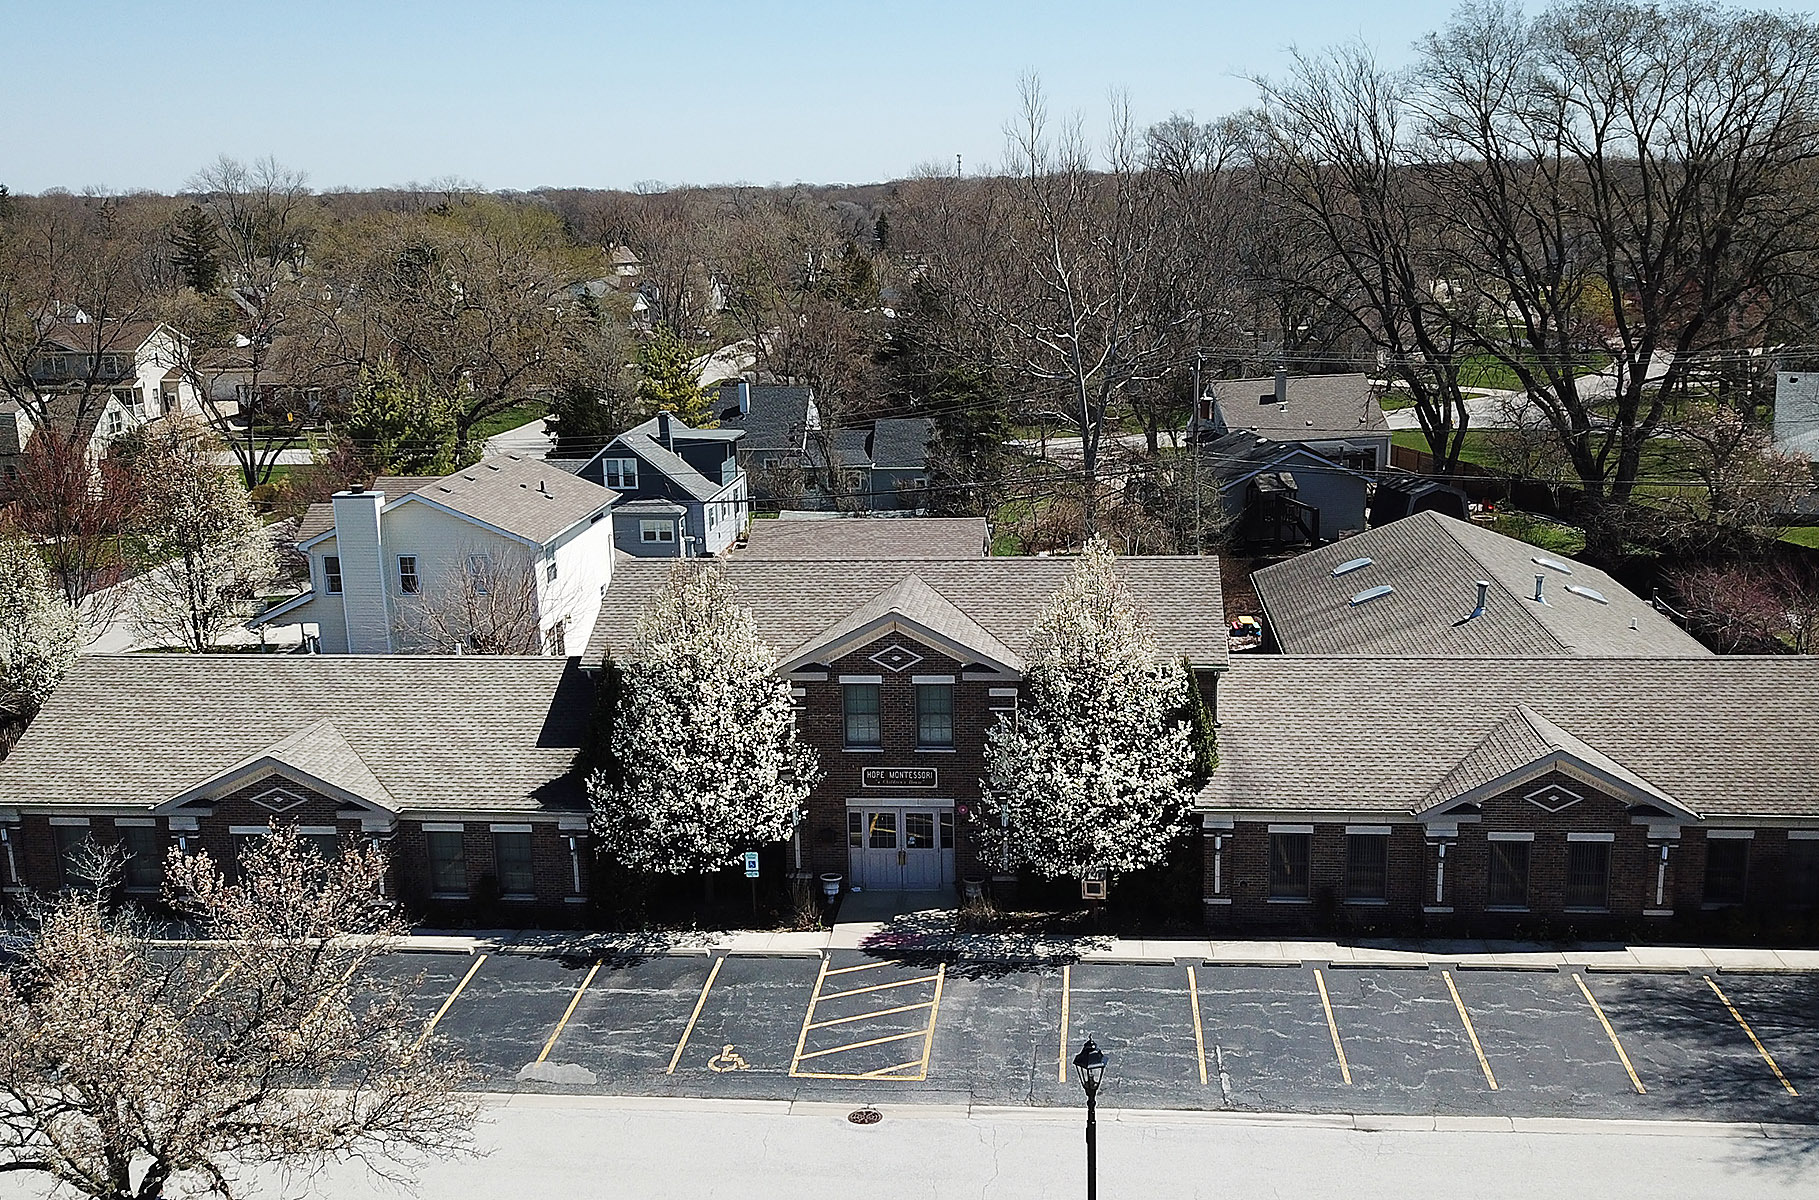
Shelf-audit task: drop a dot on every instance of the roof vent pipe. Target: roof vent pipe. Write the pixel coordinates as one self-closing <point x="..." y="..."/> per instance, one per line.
<point x="1540" y="584"/>
<point x="745" y="396"/>
<point x="1484" y="588"/>
<point x="1281" y="385"/>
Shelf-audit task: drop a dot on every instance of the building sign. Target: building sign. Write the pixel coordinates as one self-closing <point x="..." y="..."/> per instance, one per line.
<point x="900" y="777"/>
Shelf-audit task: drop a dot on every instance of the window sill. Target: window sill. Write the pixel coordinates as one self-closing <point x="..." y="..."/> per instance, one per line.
<point x="574" y="899"/>
<point x="1289" y="900"/>
<point x="1506" y="908"/>
<point x="518" y="897"/>
<point x="863" y="749"/>
<point x="448" y="896"/>
<point x="1711" y="905"/>
<point x="1368" y="901"/>
<point x="1586" y="908"/>
<point x="936" y="750"/>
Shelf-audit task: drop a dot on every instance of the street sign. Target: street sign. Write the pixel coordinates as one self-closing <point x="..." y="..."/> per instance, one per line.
<point x="751" y="864"/>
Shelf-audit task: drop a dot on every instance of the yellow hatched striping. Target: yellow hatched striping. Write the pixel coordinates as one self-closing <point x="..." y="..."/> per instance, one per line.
<point x="876" y="987"/>
<point x="867" y="1016"/>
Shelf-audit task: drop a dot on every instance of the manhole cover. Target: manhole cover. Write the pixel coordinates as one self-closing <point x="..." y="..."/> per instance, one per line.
<point x="865" y="1116"/>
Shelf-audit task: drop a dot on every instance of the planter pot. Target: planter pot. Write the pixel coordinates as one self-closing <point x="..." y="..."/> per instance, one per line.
<point x="1004" y="888"/>
<point x="972" y="888"/>
<point x="830" y="885"/>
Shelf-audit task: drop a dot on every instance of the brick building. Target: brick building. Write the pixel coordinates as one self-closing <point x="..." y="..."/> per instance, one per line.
<point x="1495" y="796"/>
<point x="462" y="767"/>
<point x="899" y="667"/>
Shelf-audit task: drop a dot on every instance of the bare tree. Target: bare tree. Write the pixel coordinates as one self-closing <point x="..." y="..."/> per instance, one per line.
<point x="1750" y="607"/>
<point x="485" y="601"/>
<point x="131" y="1068"/>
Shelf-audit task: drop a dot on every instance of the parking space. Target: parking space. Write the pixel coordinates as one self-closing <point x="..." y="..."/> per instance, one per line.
<point x="1295" y="1038"/>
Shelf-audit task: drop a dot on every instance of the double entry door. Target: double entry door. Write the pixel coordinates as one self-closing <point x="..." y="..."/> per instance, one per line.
<point x="900" y="847"/>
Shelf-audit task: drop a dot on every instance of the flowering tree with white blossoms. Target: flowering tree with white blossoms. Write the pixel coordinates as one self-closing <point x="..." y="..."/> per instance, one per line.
<point x="1096" y="771"/>
<point x="705" y="758"/>
<point x="38" y="638"/>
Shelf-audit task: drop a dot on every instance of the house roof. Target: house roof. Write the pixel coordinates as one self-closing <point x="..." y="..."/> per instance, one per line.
<point x="901" y="443"/>
<point x="778" y="419"/>
<point x="850" y="449"/>
<point x="319" y="518"/>
<point x="651" y="507"/>
<point x="524" y="497"/>
<point x="1432" y="564"/>
<point x="867" y="537"/>
<point x="644" y="441"/>
<point x="795" y="601"/>
<point x="1725" y="736"/>
<point x="1318" y="406"/>
<point x="110" y="337"/>
<point x="925" y="610"/>
<point x="1236" y="457"/>
<point x="321" y="753"/>
<point x="435" y="734"/>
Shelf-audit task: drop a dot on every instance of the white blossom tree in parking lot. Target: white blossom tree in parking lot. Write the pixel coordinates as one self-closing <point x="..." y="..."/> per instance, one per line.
<point x="1095" y="772"/>
<point x="705" y="757"/>
<point x="132" y="1069"/>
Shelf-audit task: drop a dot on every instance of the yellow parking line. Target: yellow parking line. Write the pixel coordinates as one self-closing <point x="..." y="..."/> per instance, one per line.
<point x="877" y="1041"/>
<point x="1061" y="1073"/>
<point x="877" y="987"/>
<point x="871" y="966"/>
<point x="885" y="1072"/>
<point x="431" y="1027"/>
<point x="1345" y="1068"/>
<point x="814" y="998"/>
<point x="700" y="1002"/>
<point x="214" y="987"/>
<point x="569" y="1011"/>
<point x="934" y="1011"/>
<point x="1193" y="995"/>
<point x="323" y="1002"/>
<point x="1465" y="1019"/>
<point x="1756" y="1041"/>
<point x="866" y="1016"/>
<point x="1610" y="1033"/>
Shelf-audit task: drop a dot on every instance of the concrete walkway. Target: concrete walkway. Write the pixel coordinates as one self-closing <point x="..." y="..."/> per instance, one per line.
<point x="924" y="931"/>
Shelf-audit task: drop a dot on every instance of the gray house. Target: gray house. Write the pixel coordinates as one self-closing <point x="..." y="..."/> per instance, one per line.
<point x="683" y="492"/>
<point x="1284" y="493"/>
<point x="1336" y="416"/>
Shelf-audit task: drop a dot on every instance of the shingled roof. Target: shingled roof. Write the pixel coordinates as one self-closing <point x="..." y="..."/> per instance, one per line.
<point x="795" y="602"/>
<point x="1724" y="736"/>
<point x="867" y="537"/>
<point x="1432" y="564"/>
<point x="1317" y="407"/>
<point x="446" y="734"/>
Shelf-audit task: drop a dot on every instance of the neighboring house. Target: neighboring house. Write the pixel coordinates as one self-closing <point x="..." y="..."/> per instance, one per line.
<point x="1502" y="796"/>
<point x="776" y="419"/>
<point x="97" y="381"/>
<point x="1335" y="416"/>
<point x="463" y="768"/>
<point x="229" y="375"/>
<point x="682" y="492"/>
<point x="900" y="666"/>
<point x="899" y="448"/>
<point x="855" y="537"/>
<point x="880" y="468"/>
<point x="1282" y="494"/>
<point x="508" y="531"/>
<point x="1430" y="584"/>
<point x="1797" y="413"/>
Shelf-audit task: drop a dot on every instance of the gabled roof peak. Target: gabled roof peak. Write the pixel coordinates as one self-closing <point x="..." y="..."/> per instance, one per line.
<point x="910" y="600"/>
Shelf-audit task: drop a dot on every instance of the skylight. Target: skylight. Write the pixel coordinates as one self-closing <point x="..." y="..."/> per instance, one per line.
<point x="1552" y="564"/>
<point x="1350" y="565"/>
<point x="1590" y="594"/>
<point x="1382" y="589"/>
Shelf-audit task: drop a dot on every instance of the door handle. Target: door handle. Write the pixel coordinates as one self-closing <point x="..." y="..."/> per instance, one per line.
<point x="902" y="858"/>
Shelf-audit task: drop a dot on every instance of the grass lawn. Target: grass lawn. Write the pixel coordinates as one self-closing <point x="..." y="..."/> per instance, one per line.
<point x="1802" y="535"/>
<point x="1487" y="371"/>
<point x="1547" y="535"/>
<point x="511" y="418"/>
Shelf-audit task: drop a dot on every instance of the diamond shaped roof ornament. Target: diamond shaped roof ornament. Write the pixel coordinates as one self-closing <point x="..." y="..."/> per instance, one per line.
<point x="896" y="658"/>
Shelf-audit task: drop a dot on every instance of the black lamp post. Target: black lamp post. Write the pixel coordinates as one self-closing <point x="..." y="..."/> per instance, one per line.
<point x="1090" y="1063"/>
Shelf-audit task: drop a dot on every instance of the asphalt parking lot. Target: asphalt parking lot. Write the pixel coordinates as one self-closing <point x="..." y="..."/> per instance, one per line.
<point x="1307" y="1038"/>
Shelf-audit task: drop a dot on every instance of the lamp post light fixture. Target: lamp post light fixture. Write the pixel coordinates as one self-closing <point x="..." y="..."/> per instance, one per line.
<point x="1090" y="1064"/>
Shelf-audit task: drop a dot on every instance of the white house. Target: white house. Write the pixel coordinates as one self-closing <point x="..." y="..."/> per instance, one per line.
<point x="99" y="379"/>
<point x="506" y="546"/>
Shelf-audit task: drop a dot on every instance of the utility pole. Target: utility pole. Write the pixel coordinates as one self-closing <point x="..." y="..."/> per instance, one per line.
<point x="1194" y="448"/>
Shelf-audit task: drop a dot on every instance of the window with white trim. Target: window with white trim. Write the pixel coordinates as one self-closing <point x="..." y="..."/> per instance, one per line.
<point x="1727" y="869"/>
<point x="1588" y="874"/>
<point x="331" y="574"/>
<point x="1506" y="885"/>
<point x="477" y="573"/>
<point x="408" y="582"/>
<point x="1290" y="854"/>
<point x="1367" y="859"/>
<point x="447" y="862"/>
<point x="621" y="473"/>
<point x="512" y="853"/>
<point x="656" y="531"/>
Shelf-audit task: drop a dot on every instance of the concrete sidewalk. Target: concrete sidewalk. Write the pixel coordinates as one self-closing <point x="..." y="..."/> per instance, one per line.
<point x="888" y="937"/>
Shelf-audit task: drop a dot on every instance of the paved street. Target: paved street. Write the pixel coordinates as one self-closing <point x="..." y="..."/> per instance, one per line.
<point x="1725" y="1046"/>
<point x="558" y="1146"/>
